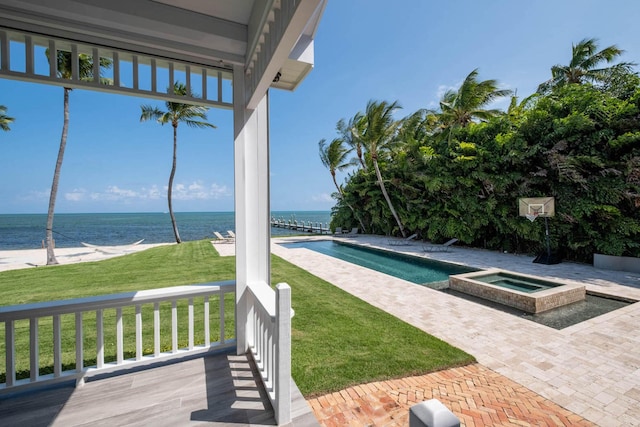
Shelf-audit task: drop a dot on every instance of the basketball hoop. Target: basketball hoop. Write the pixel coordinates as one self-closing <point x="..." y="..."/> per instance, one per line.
<point x="533" y="207"/>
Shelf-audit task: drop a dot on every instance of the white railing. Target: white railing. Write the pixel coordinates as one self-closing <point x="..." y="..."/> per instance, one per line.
<point x="269" y="333"/>
<point x="65" y="318"/>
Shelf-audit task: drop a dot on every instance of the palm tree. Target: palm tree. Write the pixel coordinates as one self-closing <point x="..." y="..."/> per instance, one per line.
<point x="4" y="119"/>
<point x="346" y="130"/>
<point x="64" y="71"/>
<point x="334" y="157"/>
<point x="376" y="130"/>
<point x="460" y="107"/>
<point x="585" y="58"/>
<point x="192" y="115"/>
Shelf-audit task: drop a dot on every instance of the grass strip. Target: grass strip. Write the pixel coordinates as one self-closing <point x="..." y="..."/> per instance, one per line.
<point x="338" y="340"/>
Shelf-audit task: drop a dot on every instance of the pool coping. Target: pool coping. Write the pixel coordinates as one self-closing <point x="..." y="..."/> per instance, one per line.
<point x="535" y="302"/>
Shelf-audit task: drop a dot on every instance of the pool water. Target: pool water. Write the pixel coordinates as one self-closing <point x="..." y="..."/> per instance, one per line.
<point x="412" y="269"/>
<point x="516" y="283"/>
<point x="558" y="318"/>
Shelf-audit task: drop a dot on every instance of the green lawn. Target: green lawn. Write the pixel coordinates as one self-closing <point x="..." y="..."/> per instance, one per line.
<point x="337" y="339"/>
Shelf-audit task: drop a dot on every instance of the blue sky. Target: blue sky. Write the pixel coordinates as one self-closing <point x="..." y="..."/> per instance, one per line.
<point x="407" y="50"/>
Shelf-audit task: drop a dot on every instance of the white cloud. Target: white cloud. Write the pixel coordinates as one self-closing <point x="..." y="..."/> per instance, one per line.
<point x="153" y="192"/>
<point x="196" y="190"/>
<point x="323" y="197"/>
<point x="36" y="195"/>
<point x="76" y="195"/>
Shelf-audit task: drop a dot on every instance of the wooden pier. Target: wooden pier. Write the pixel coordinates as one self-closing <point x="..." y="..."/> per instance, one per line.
<point x="302" y="226"/>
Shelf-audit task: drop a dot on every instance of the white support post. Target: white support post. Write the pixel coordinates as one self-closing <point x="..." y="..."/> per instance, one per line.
<point x="282" y="380"/>
<point x="251" y="152"/>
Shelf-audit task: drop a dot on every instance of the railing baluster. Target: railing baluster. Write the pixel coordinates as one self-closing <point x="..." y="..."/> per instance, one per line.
<point x="136" y="72"/>
<point x="204" y="83"/>
<point x="221" y="304"/>
<point x="99" y="339"/>
<point x="53" y="65"/>
<point x="28" y="51"/>
<point x="190" y="326"/>
<point x="79" y="343"/>
<point x="187" y="74"/>
<point x="75" y="63"/>
<point x="116" y="69"/>
<point x="119" y="339"/>
<point x="154" y="76"/>
<point x="174" y="326"/>
<point x="207" y="325"/>
<point x="156" y="329"/>
<point x="5" y="56"/>
<point x="171" y="79"/>
<point x="57" y="346"/>
<point x="95" y="59"/>
<point x="10" y="349"/>
<point x="34" y="354"/>
<point x="138" y="332"/>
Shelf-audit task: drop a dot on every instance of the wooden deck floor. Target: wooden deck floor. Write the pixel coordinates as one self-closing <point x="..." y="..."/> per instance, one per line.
<point x="216" y="390"/>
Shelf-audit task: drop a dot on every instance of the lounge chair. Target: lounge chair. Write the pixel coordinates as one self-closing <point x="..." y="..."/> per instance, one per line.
<point x="338" y="231"/>
<point x="440" y="248"/>
<point x="353" y="232"/>
<point x="231" y="234"/>
<point x="403" y="242"/>
<point x="221" y="238"/>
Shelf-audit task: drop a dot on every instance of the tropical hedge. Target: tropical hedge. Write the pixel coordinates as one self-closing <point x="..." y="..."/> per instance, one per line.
<point x="459" y="171"/>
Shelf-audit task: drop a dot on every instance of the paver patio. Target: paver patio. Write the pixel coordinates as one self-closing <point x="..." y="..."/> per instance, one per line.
<point x="591" y="369"/>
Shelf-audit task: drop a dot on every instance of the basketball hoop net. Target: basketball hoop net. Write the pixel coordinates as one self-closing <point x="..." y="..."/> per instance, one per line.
<point x="532" y="217"/>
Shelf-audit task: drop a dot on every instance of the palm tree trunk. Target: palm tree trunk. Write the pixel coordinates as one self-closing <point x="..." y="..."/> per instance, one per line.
<point x="51" y="256"/>
<point x="386" y="196"/>
<point x="359" y="154"/>
<point x="173" y="173"/>
<point x="333" y="175"/>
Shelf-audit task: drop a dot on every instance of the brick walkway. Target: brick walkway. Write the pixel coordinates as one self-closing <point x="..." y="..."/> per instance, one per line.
<point x="477" y="395"/>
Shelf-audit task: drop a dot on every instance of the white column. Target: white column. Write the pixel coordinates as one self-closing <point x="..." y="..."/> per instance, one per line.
<point x="253" y="232"/>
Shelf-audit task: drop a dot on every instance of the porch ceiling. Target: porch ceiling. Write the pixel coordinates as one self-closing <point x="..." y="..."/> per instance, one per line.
<point x="215" y="33"/>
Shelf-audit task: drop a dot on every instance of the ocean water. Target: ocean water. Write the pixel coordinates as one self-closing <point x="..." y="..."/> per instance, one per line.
<point x="27" y="231"/>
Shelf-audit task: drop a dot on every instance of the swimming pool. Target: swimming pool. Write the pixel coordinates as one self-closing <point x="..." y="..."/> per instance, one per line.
<point x="435" y="275"/>
<point x="413" y="269"/>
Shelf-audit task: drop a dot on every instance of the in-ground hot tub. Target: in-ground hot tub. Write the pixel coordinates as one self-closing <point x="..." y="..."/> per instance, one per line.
<point x="527" y="293"/>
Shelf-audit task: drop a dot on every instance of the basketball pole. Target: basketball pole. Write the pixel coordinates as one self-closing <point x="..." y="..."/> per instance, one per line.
<point x="546" y="226"/>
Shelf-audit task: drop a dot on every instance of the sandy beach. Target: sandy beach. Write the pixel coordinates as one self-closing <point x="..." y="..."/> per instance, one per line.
<point x="30" y="258"/>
